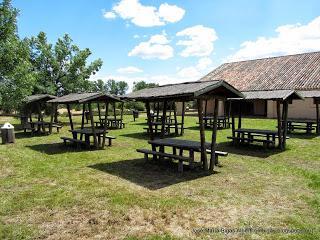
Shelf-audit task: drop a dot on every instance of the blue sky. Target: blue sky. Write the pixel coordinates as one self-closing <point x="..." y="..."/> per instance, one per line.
<point x="169" y="41"/>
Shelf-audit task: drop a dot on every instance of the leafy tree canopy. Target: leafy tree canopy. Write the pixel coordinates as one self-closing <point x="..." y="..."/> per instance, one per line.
<point x="61" y="68"/>
<point x="142" y="85"/>
<point x="111" y="86"/>
<point x="16" y="76"/>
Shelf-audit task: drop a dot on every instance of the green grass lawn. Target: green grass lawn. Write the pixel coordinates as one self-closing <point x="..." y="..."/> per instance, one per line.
<point x="48" y="191"/>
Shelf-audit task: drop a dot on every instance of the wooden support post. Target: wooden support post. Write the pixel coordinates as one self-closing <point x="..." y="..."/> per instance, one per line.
<point x="158" y="111"/>
<point x="206" y="108"/>
<point x="83" y="118"/>
<point x="149" y="120"/>
<point x="94" y="135"/>
<point x="240" y="115"/>
<point x="70" y="116"/>
<point x="53" y="107"/>
<point x="122" y="108"/>
<point x="182" y="117"/>
<point x="83" y="115"/>
<point x="164" y="116"/>
<point x="99" y="112"/>
<point x="318" y="117"/>
<point x="214" y="135"/>
<point x="285" y="123"/>
<point x="202" y="136"/>
<point x="233" y="124"/>
<point x="279" y="125"/>
<point x="175" y="118"/>
<point x="105" y="125"/>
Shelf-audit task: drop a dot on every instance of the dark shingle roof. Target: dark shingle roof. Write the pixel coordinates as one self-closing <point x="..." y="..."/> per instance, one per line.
<point x="85" y="97"/>
<point x="272" y="95"/>
<point x="294" y="72"/>
<point x="39" y="98"/>
<point x="185" y="90"/>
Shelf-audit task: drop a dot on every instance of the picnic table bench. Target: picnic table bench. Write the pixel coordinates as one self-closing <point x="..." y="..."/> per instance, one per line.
<point x="77" y="136"/>
<point x="248" y="136"/>
<point x="222" y="122"/>
<point x="40" y="126"/>
<point x="301" y="124"/>
<point x="111" y="123"/>
<point x="156" y="126"/>
<point x="178" y="145"/>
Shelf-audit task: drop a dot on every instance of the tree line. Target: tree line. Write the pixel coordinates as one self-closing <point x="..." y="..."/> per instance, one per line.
<point x="34" y="66"/>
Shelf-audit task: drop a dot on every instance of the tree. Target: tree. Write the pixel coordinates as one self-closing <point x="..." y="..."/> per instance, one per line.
<point x="61" y="68"/>
<point x="142" y="85"/>
<point x="99" y="86"/>
<point x="16" y="76"/>
<point x="116" y="87"/>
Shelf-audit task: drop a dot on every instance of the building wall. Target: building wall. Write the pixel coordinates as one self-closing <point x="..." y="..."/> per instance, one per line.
<point x="210" y="107"/>
<point x="298" y="109"/>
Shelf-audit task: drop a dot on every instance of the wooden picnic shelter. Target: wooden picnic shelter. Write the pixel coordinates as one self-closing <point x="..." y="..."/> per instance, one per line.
<point x="223" y="120"/>
<point x="268" y="137"/>
<point x="308" y="124"/>
<point x="184" y="92"/>
<point x="171" y="118"/>
<point x="112" y="121"/>
<point x="36" y="105"/>
<point x="87" y="100"/>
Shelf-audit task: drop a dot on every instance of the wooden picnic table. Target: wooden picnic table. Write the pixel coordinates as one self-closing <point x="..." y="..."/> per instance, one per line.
<point x="222" y="121"/>
<point x="40" y="126"/>
<point x="246" y="135"/>
<point x="301" y="124"/>
<point x="168" y="126"/>
<point x="111" y="122"/>
<point x="181" y="145"/>
<point x="78" y="134"/>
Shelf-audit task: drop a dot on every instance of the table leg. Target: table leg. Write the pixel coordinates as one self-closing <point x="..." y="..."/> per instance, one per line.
<point x="154" y="148"/>
<point x="174" y="150"/>
<point x="87" y="140"/>
<point x="161" y="149"/>
<point x="191" y="161"/>
<point x="74" y="135"/>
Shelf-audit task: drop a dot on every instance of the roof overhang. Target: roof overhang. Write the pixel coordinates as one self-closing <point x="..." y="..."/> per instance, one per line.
<point x="185" y="92"/>
<point x="85" y="97"/>
<point x="39" y="98"/>
<point x="275" y="95"/>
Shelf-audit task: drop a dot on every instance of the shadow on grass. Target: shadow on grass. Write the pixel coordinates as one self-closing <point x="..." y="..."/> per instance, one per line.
<point x="301" y="135"/>
<point x="57" y="148"/>
<point x="137" y="135"/>
<point x="139" y="123"/>
<point x="151" y="175"/>
<point x="145" y="135"/>
<point x="248" y="150"/>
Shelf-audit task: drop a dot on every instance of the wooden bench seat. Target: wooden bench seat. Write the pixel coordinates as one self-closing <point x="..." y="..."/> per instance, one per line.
<point x="264" y="141"/>
<point x="78" y="142"/>
<point x="58" y="126"/>
<point x="110" y="138"/>
<point x="181" y="159"/>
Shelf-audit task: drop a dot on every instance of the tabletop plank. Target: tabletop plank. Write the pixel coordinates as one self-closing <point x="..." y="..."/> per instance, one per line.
<point x="258" y="131"/>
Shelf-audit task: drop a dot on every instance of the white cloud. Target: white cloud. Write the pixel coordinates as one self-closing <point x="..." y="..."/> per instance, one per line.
<point x="290" y="39"/>
<point x="156" y="47"/>
<point x="148" y="16"/>
<point x="200" y="41"/>
<point x="109" y="15"/>
<point x="204" y="63"/>
<point x="129" y="70"/>
<point x="171" y="13"/>
<point x="136" y="36"/>
<point x="195" y="72"/>
<point x="189" y="72"/>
